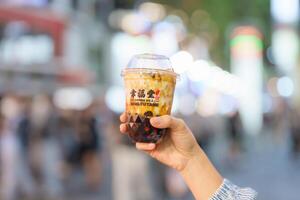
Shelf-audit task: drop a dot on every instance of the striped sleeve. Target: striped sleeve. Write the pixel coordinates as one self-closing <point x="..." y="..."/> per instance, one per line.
<point x="229" y="191"/>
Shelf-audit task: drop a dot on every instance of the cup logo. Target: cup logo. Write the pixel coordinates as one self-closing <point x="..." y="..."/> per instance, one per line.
<point x="133" y="93"/>
<point x="150" y="94"/>
<point x="142" y="97"/>
<point x="157" y="94"/>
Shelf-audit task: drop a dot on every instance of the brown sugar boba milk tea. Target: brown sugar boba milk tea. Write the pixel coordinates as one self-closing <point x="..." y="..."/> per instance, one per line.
<point x="149" y="84"/>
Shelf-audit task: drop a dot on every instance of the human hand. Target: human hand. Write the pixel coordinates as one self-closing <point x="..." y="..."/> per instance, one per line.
<point x="180" y="150"/>
<point x="176" y="148"/>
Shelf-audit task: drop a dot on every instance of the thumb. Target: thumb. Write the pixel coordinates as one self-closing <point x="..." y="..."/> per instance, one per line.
<point x="167" y="121"/>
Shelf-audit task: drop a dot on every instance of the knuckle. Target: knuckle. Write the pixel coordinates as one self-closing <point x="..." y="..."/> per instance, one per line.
<point x="122" y="116"/>
<point x="180" y="123"/>
<point x="169" y="120"/>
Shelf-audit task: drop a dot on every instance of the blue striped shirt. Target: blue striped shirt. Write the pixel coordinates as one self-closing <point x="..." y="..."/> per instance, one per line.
<point x="229" y="191"/>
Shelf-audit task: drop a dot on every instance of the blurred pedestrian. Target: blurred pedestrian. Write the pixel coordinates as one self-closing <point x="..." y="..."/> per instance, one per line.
<point x="89" y="147"/>
<point x="47" y="153"/>
<point x="9" y="148"/>
<point x="295" y="131"/>
<point x="235" y="133"/>
<point x="68" y="142"/>
<point x="280" y="119"/>
<point x="23" y="131"/>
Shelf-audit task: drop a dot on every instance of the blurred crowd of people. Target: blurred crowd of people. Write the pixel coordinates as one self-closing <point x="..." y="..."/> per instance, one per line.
<point x="41" y="146"/>
<point x="283" y="123"/>
<point x="44" y="148"/>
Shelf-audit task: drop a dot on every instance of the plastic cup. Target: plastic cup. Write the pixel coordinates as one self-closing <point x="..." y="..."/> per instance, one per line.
<point x="149" y="83"/>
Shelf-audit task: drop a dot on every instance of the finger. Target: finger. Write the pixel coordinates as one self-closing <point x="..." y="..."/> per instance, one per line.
<point x="123" y="117"/>
<point x="145" y="146"/>
<point x="123" y="128"/>
<point x="166" y="121"/>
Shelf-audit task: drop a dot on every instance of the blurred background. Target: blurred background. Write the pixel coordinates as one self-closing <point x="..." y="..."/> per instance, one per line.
<point x="61" y="95"/>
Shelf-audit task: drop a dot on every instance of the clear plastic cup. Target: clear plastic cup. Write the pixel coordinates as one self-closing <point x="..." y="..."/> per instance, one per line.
<point x="149" y="83"/>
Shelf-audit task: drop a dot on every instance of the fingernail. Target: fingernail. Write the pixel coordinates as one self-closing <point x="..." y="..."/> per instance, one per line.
<point x="151" y="145"/>
<point x="137" y="145"/>
<point x="154" y="120"/>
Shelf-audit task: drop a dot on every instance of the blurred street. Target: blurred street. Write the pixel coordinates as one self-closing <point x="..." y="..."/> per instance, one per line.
<point x="277" y="171"/>
<point x="276" y="176"/>
<point x="235" y="66"/>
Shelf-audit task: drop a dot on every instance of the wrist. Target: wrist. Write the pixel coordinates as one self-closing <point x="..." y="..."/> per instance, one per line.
<point x="201" y="176"/>
<point x="196" y="160"/>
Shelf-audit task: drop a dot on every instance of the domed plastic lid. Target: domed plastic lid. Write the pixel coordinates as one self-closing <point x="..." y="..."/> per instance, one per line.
<point x="149" y="63"/>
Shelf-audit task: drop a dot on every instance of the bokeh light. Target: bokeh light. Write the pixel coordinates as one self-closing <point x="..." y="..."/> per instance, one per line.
<point x="115" y="99"/>
<point x="181" y="61"/>
<point x="187" y="104"/>
<point x="72" y="98"/>
<point x="153" y="11"/>
<point x="285" y="86"/>
<point x="134" y="23"/>
<point x="285" y="11"/>
<point x="200" y="70"/>
<point x="164" y="38"/>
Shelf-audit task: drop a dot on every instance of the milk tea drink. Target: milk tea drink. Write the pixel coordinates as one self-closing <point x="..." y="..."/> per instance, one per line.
<point x="149" y="83"/>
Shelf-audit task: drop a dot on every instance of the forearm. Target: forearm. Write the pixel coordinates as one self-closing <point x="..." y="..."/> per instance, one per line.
<point x="201" y="176"/>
